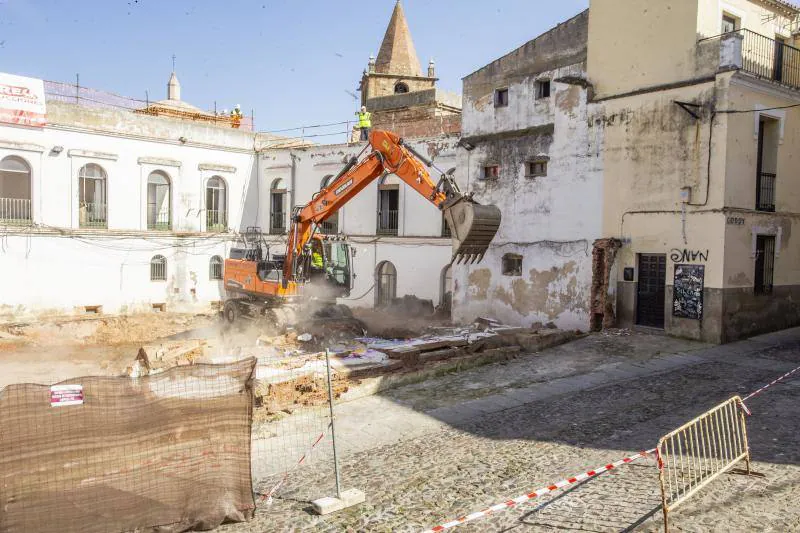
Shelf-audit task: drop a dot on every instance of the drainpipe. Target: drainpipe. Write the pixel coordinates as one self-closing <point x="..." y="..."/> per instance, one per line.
<point x="292" y="185"/>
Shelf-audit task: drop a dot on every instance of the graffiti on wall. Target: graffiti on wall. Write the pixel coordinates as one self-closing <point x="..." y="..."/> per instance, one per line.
<point x="687" y="256"/>
<point x="687" y="294"/>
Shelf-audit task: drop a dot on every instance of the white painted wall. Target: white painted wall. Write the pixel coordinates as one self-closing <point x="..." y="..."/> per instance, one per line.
<point x="55" y="266"/>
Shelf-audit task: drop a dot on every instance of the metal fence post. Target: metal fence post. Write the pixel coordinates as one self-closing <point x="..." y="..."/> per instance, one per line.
<point x="333" y="424"/>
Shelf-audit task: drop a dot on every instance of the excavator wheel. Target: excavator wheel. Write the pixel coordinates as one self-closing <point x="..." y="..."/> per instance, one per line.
<point x="231" y="311"/>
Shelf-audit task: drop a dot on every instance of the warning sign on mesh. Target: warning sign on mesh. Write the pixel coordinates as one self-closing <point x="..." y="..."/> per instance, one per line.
<point x="63" y="395"/>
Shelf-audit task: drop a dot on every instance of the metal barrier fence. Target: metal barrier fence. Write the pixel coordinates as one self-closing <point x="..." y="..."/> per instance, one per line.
<point x="692" y="456"/>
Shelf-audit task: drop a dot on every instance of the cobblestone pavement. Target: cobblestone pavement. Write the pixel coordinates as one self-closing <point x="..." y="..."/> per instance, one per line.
<point x="432" y="451"/>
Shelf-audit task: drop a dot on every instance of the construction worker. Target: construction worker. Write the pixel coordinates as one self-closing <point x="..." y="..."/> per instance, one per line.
<point x="236" y="116"/>
<point x="316" y="260"/>
<point x="364" y="122"/>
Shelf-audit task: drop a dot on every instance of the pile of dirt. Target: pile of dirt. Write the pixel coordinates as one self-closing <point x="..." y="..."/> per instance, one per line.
<point x="102" y="331"/>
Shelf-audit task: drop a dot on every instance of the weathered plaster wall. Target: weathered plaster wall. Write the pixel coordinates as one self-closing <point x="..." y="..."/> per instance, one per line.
<point x="552" y="220"/>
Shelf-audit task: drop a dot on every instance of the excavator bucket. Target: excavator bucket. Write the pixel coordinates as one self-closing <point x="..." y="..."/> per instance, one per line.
<point x="472" y="226"/>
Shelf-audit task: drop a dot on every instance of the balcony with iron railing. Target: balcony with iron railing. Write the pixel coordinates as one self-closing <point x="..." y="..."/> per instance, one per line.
<point x="758" y="55"/>
<point x="15" y="211"/>
<point x="216" y="220"/>
<point x="158" y="220"/>
<point x="330" y="226"/>
<point x="388" y="222"/>
<point x="277" y="223"/>
<point x="93" y="215"/>
<point x="765" y="192"/>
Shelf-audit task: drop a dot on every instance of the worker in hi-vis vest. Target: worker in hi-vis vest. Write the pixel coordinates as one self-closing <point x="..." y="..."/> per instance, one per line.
<point x="364" y="122"/>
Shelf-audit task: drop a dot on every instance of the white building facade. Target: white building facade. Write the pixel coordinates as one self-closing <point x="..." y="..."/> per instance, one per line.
<point x="107" y="210"/>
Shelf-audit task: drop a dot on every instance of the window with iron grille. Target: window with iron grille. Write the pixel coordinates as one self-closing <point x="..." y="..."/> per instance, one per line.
<point x="512" y="265"/>
<point x="501" y="98"/>
<point x="491" y="172"/>
<point x="765" y="263"/>
<point x="536" y="168"/>
<point x="215" y="268"/>
<point x="542" y="89"/>
<point x="158" y="268"/>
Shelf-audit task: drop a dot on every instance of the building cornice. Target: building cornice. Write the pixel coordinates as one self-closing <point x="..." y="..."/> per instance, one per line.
<point x="24" y="147"/>
<point x="159" y="161"/>
<point x="92" y="155"/>
<point x="217" y="167"/>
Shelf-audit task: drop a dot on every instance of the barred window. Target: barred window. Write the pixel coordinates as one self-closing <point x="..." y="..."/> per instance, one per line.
<point x="765" y="263"/>
<point x="512" y="265"/>
<point x="158" y="268"/>
<point x="215" y="268"/>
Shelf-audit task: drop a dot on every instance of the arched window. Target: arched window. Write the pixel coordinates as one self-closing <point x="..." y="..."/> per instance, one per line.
<point x="158" y="268"/>
<point x="400" y="87"/>
<point x="216" y="205"/>
<point x="15" y="190"/>
<point x="215" y="268"/>
<point x="330" y="226"/>
<point x="385" y="284"/>
<point x="277" y="203"/>
<point x="92" y="207"/>
<point x="159" y="201"/>
<point x="446" y="289"/>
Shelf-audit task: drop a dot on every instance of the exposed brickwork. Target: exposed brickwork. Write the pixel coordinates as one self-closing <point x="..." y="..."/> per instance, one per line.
<point x="422" y="121"/>
<point x="604" y="253"/>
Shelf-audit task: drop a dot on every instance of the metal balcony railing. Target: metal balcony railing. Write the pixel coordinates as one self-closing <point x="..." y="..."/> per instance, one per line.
<point x="158" y="220"/>
<point x="93" y="215"/>
<point x="765" y="192"/>
<point x="277" y="223"/>
<point x="387" y="222"/>
<point x="330" y="226"/>
<point x="216" y="220"/>
<point x="15" y="211"/>
<point x="760" y="56"/>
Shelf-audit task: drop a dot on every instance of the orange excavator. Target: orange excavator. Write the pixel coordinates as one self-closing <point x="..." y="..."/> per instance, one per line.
<point x="320" y="266"/>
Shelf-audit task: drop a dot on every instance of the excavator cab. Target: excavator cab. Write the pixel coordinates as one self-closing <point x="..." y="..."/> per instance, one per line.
<point x="329" y="263"/>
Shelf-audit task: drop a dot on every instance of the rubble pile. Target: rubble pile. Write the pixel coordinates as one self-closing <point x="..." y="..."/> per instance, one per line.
<point x="291" y="372"/>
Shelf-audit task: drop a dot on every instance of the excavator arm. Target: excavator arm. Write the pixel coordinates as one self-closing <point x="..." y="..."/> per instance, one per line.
<point x="472" y="225"/>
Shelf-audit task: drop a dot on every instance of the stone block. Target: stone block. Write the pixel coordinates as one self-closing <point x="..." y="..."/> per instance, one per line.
<point x="330" y="504"/>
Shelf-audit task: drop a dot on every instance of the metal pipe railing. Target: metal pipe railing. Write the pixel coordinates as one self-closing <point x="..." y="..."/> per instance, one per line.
<point x="765" y="57"/>
<point x="388" y="222"/>
<point x="15" y="211"/>
<point x="93" y="215"/>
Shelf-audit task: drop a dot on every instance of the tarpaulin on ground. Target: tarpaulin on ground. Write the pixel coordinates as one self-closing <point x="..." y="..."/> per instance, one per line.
<point x="167" y="452"/>
<point x="22" y="100"/>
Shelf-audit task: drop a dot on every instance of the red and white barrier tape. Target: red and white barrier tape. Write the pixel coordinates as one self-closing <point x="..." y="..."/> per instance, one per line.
<point x="586" y="475"/>
<point x="539" y="492"/>
<point x="271" y="493"/>
<point x="770" y="384"/>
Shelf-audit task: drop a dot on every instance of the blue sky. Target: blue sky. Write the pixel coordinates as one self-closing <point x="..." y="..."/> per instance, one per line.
<point x="292" y="62"/>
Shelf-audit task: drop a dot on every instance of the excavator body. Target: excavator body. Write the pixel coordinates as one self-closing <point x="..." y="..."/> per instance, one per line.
<point x="318" y="267"/>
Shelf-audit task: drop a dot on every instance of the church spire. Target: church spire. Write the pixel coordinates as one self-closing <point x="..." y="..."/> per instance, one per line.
<point x="397" y="54"/>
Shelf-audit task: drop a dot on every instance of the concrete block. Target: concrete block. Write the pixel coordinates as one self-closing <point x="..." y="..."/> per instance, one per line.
<point x="329" y="504"/>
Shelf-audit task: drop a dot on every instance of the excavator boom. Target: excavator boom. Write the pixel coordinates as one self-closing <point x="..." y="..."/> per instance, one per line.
<point x="472" y="225"/>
